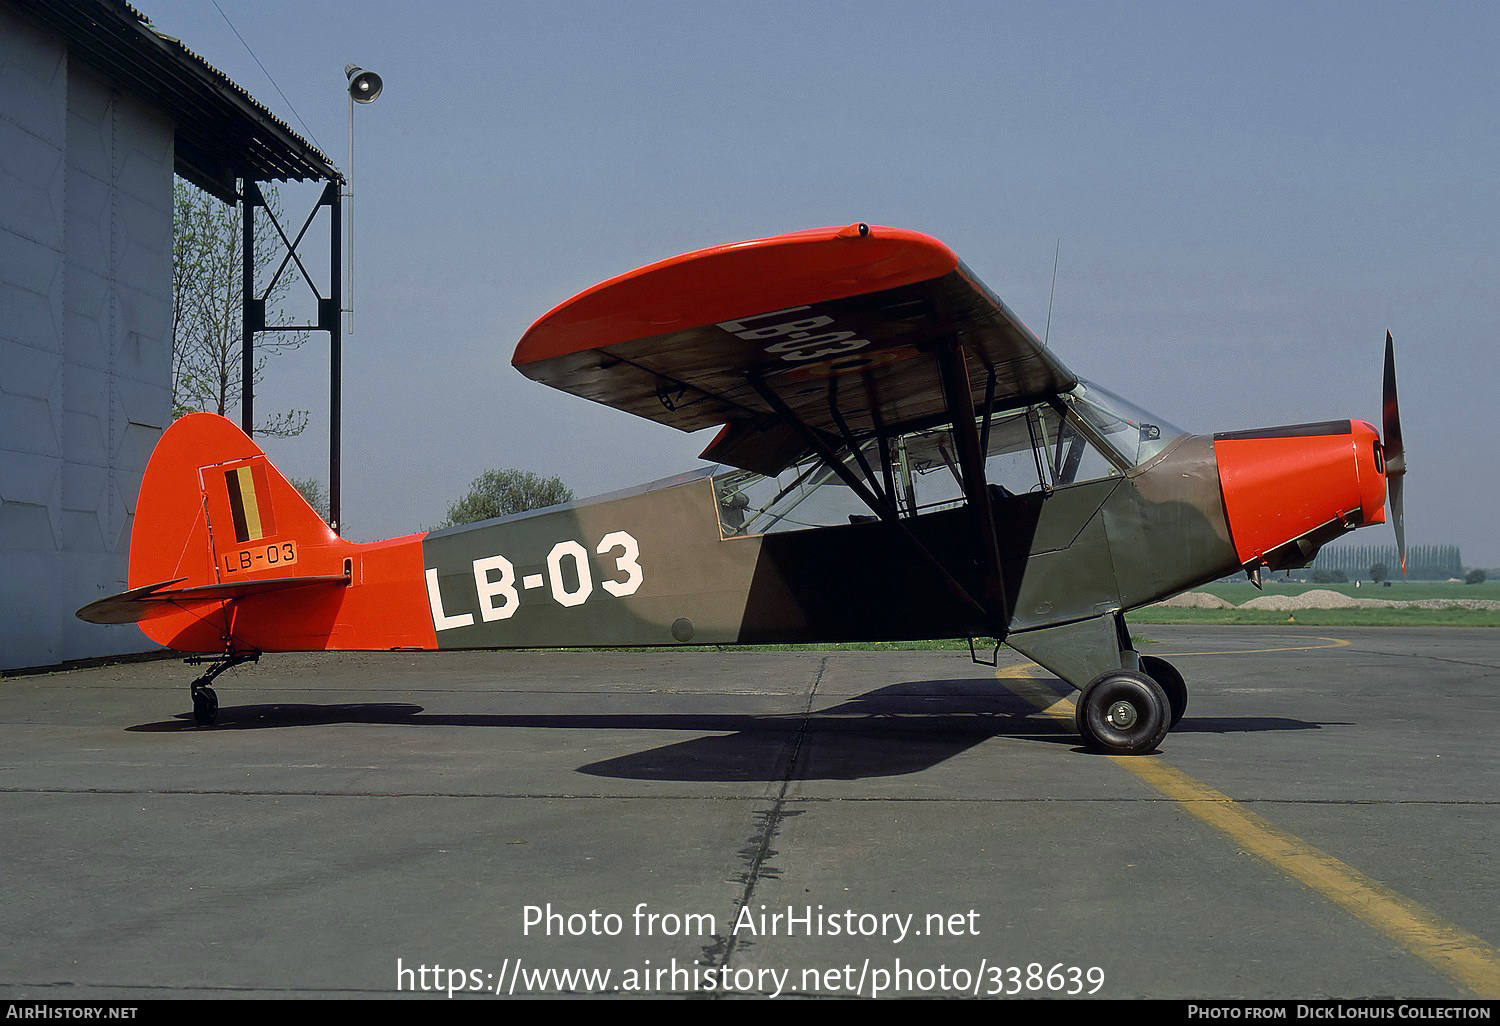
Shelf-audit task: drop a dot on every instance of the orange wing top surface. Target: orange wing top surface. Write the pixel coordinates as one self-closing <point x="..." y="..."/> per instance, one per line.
<point x="851" y="311"/>
<point x="723" y="283"/>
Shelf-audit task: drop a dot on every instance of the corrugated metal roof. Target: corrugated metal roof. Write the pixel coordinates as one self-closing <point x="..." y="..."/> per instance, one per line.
<point x="223" y="133"/>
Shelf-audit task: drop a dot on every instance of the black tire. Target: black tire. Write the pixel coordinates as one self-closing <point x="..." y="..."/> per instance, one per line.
<point x="205" y="706"/>
<point x="1123" y="713"/>
<point x="1171" y="682"/>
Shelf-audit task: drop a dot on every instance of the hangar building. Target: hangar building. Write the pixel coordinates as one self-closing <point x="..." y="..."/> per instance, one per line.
<point x="97" y="112"/>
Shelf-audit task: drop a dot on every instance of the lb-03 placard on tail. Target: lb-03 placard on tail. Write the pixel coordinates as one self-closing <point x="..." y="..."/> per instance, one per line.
<point x="260" y="557"/>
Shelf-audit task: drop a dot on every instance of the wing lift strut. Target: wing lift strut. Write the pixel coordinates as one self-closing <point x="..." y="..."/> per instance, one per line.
<point x="989" y="603"/>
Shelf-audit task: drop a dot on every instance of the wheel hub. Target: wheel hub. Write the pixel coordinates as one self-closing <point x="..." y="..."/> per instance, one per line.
<point x="1121" y="715"/>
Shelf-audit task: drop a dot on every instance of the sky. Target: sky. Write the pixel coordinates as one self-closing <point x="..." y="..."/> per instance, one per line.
<point x="1243" y="198"/>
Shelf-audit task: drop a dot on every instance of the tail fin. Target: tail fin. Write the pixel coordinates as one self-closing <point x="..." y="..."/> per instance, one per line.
<point x="215" y="525"/>
<point x="226" y="556"/>
<point x="213" y="510"/>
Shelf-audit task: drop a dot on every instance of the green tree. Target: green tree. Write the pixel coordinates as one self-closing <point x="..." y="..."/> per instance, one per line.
<point x="1474" y="576"/>
<point x="1379" y="572"/>
<point x="207" y="330"/>
<point x="311" y="489"/>
<point x="499" y="493"/>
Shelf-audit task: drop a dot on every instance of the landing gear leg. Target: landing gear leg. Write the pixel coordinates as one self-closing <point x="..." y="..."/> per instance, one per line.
<point x="205" y="701"/>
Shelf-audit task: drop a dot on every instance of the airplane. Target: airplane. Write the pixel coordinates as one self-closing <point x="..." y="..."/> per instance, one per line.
<point x="899" y="457"/>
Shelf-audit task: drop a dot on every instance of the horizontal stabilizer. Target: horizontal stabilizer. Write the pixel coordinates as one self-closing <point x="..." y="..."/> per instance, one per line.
<point x="159" y="599"/>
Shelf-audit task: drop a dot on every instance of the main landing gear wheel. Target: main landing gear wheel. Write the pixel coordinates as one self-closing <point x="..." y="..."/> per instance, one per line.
<point x="1171" y="682"/>
<point x="205" y="705"/>
<point x="1124" y="713"/>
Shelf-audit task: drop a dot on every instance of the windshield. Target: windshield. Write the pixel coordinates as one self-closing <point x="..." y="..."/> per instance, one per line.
<point x="1130" y="431"/>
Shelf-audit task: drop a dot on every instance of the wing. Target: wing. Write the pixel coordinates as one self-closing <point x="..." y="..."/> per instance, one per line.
<point x="837" y="322"/>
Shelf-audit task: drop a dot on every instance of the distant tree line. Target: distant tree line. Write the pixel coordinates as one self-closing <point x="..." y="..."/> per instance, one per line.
<point x="1358" y="562"/>
<point x="503" y="492"/>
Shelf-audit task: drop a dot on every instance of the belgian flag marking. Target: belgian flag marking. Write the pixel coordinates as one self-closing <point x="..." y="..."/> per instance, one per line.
<point x="249" y="503"/>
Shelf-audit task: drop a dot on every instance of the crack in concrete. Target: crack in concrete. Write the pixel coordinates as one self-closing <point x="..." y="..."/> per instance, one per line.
<point x="757" y="850"/>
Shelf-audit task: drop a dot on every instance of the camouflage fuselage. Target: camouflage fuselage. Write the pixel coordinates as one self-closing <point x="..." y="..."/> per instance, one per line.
<point x="654" y="568"/>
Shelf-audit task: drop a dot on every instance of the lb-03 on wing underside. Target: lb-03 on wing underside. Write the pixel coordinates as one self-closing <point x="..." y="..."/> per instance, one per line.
<point x="899" y="457"/>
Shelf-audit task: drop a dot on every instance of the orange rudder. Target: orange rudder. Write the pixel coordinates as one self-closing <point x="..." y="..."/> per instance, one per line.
<point x="213" y="510"/>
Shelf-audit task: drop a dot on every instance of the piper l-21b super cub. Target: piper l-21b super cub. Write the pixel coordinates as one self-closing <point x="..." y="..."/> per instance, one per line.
<point x="900" y="458"/>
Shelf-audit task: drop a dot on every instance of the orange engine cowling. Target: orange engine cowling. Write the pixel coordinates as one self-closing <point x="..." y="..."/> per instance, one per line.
<point x="1289" y="490"/>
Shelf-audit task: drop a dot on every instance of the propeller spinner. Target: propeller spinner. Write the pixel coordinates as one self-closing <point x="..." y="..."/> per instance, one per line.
<point x="1395" y="452"/>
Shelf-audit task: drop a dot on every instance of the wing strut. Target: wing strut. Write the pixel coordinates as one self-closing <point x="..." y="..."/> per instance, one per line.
<point x="989" y="414"/>
<point x="886" y="511"/>
<point x="954" y="369"/>
<point x="887" y="497"/>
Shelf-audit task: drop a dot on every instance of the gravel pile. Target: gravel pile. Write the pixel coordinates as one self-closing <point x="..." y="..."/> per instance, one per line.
<point x="1320" y="598"/>
<point x="1195" y="600"/>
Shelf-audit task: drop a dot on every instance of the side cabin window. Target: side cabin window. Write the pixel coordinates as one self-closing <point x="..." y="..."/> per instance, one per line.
<point x="1038" y="448"/>
<point x="1085" y="434"/>
<point x="1028" y="450"/>
<point x="803" y="496"/>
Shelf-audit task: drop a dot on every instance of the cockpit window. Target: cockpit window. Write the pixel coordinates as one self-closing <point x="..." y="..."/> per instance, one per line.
<point x="1129" y="430"/>
<point x="1070" y="453"/>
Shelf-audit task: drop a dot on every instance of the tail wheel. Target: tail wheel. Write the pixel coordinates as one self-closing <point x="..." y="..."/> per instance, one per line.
<point x="1124" y="713"/>
<point x="205" y="705"/>
<point x="1171" y="682"/>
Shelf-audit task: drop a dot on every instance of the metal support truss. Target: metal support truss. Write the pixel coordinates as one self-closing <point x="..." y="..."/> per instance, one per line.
<point x="253" y="318"/>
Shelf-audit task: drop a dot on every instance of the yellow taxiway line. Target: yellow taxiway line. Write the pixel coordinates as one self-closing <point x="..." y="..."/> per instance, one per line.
<point x="1332" y="643"/>
<point x="1459" y="955"/>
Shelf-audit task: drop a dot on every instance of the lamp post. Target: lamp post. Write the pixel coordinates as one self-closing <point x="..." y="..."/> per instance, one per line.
<point x="364" y="87"/>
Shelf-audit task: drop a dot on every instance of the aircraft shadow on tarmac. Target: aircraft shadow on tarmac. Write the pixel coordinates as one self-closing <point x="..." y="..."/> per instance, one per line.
<point x="892" y="731"/>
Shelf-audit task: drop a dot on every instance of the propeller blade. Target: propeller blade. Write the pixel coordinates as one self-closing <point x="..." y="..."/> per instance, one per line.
<point x="1395" y="452"/>
<point x="1393" y="487"/>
